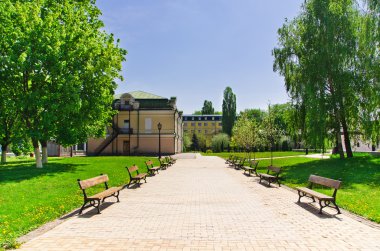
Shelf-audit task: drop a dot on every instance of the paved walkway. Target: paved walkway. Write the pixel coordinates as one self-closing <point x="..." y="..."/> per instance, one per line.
<point x="200" y="204"/>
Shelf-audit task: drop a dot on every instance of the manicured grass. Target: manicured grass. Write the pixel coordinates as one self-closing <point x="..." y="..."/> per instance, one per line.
<point x="360" y="191"/>
<point x="226" y="155"/>
<point x="30" y="197"/>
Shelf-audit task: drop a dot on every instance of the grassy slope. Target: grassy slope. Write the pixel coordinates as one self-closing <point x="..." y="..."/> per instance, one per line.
<point x="30" y="197"/>
<point x="225" y="155"/>
<point x="360" y="191"/>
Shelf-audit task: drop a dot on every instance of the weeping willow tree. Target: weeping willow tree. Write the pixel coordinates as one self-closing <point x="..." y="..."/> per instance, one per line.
<point x="317" y="55"/>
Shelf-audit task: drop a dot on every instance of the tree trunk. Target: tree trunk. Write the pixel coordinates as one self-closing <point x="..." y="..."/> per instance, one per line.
<point x="339" y="144"/>
<point x="4" y="154"/>
<point x="346" y="134"/>
<point x="37" y="153"/>
<point x="44" y="151"/>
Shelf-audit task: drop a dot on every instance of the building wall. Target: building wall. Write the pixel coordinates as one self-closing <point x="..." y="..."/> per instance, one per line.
<point x="143" y="135"/>
<point x="203" y="124"/>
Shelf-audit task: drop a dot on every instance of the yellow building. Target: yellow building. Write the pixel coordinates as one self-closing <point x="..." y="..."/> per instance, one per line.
<point x="135" y="130"/>
<point x="206" y="125"/>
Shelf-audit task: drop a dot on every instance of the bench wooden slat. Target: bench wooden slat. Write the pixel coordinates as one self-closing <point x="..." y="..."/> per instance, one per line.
<point x="105" y="193"/>
<point x="93" y="181"/>
<point x="315" y="194"/>
<point x="325" y="181"/>
<point x="133" y="168"/>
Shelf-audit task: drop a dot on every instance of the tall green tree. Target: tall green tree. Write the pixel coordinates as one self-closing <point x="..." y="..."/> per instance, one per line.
<point x="207" y="108"/>
<point x="10" y="119"/>
<point x="66" y="65"/>
<point x="316" y="56"/>
<point x="229" y="111"/>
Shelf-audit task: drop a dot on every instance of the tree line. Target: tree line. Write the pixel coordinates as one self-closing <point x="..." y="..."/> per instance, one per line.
<point x="57" y="72"/>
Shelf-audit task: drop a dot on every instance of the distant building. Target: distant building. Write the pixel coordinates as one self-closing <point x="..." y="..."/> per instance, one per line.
<point x="206" y="125"/>
<point x="56" y="150"/>
<point x="134" y="129"/>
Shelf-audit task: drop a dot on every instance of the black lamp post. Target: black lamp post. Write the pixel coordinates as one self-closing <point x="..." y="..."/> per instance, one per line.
<point x="159" y="126"/>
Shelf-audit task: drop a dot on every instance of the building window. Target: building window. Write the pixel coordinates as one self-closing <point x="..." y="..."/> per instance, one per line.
<point x="213" y="118"/>
<point x="205" y="131"/>
<point x="185" y="124"/>
<point x="148" y="125"/>
<point x="358" y="145"/>
<point x="213" y="123"/>
<point x="199" y="131"/>
<point x="185" y="130"/>
<point x="220" y="124"/>
<point x="205" y="124"/>
<point x="199" y="118"/>
<point x="199" y="124"/>
<point x="126" y="124"/>
<point x="192" y="124"/>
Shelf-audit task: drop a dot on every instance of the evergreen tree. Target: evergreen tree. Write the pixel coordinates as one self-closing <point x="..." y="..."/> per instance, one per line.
<point x="229" y="111"/>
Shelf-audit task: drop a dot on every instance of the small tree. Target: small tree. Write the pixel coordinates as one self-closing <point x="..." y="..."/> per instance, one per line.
<point x="186" y="142"/>
<point x="270" y="133"/>
<point x="245" y="134"/>
<point x="195" y="142"/>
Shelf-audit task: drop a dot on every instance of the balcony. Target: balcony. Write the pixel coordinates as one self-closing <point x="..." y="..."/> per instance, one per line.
<point x="125" y="130"/>
<point x="120" y="107"/>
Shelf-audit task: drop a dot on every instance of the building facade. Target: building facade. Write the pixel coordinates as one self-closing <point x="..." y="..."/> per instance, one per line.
<point x="134" y="129"/>
<point x="206" y="125"/>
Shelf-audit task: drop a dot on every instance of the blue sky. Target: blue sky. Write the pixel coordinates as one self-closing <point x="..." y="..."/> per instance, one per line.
<point x="193" y="49"/>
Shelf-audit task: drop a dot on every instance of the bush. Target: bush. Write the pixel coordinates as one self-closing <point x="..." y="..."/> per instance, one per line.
<point x="220" y="142"/>
<point x="209" y="151"/>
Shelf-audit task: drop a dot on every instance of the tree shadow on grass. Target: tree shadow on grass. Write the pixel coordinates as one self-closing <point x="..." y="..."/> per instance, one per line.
<point x="359" y="170"/>
<point x="25" y="170"/>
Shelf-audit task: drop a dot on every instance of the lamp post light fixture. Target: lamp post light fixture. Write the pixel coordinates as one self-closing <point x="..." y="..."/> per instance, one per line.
<point x="159" y="127"/>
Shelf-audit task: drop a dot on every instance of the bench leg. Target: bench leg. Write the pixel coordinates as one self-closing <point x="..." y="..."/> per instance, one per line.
<point x="98" y="206"/>
<point x="145" y="179"/>
<point x="117" y="196"/>
<point x="81" y="209"/>
<point x="336" y="207"/>
<point x="300" y="196"/>
<point x="278" y="181"/>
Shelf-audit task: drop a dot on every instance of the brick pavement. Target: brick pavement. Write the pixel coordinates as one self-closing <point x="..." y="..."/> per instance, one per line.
<point x="200" y="204"/>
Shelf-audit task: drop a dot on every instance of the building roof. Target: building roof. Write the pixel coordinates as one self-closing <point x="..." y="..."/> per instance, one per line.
<point x="141" y="95"/>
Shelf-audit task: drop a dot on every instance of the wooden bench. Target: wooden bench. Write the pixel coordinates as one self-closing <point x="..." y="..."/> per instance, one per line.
<point x="234" y="161"/>
<point x="322" y="198"/>
<point x="136" y="178"/>
<point x="163" y="163"/>
<point x="239" y="163"/>
<point x="251" y="168"/>
<point x="271" y="175"/>
<point x="172" y="160"/>
<point x="94" y="200"/>
<point x="151" y="169"/>
<point x="230" y="158"/>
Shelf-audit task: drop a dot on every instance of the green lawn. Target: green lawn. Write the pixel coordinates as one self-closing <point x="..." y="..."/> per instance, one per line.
<point x="30" y="197"/>
<point x="360" y="191"/>
<point x="225" y="155"/>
